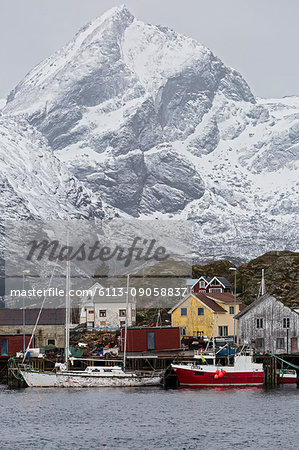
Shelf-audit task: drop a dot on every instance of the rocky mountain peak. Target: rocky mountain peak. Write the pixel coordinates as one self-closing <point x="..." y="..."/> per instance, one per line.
<point x="155" y="125"/>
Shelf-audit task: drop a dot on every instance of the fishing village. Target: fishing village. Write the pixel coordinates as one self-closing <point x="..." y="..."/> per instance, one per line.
<point x="149" y="257"/>
<point x="210" y="337"/>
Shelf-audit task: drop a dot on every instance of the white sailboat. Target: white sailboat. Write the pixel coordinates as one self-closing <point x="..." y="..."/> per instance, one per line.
<point x="92" y="376"/>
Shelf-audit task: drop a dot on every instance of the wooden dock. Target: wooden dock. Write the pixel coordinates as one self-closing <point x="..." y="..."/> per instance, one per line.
<point x="141" y="362"/>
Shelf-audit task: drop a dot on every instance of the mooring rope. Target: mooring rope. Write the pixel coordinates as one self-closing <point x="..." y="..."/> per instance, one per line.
<point x="12" y="370"/>
<point x="286" y="362"/>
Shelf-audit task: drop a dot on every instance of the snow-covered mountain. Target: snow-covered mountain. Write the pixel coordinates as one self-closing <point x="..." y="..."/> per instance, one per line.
<point x="157" y="126"/>
<point x="34" y="184"/>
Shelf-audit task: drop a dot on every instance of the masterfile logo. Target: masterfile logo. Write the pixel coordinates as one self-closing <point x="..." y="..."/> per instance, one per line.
<point x="139" y="249"/>
<point x="156" y="254"/>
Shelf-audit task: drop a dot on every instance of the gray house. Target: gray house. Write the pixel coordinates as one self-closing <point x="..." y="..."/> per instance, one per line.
<point x="269" y="326"/>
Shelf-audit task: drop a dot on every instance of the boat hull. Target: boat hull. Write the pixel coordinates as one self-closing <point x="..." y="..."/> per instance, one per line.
<point x="69" y="380"/>
<point x="197" y="377"/>
<point x="286" y="379"/>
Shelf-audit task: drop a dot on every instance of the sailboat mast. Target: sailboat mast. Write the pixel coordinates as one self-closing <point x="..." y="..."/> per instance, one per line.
<point x="213" y="334"/>
<point x="67" y="307"/>
<point x="126" y="322"/>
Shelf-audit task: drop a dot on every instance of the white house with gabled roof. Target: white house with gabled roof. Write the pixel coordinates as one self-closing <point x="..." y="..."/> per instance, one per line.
<point x="207" y="284"/>
<point x="218" y="285"/>
<point x="102" y="310"/>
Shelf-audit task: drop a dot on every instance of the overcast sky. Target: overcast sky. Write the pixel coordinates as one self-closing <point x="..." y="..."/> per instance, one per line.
<point x="259" y="38"/>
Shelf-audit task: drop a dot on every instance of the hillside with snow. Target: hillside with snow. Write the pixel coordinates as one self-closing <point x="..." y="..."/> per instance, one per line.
<point x="151" y="124"/>
<point x="34" y="184"/>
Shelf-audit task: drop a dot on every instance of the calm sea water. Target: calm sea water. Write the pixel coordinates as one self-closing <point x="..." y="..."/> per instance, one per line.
<point x="149" y="418"/>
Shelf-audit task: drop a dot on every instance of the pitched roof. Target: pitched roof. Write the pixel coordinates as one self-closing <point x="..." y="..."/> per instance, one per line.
<point x="93" y="296"/>
<point x="192" y="281"/>
<point x="207" y="279"/>
<point x="260" y="300"/>
<point x="252" y="305"/>
<point x="98" y="299"/>
<point x="222" y="281"/>
<point x="202" y="298"/>
<point x="225" y="297"/>
<point x="48" y="316"/>
<point x="209" y="302"/>
<point x="242" y="306"/>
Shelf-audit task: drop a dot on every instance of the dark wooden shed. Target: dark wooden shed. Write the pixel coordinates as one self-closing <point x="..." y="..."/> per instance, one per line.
<point x="142" y="339"/>
<point x="11" y="344"/>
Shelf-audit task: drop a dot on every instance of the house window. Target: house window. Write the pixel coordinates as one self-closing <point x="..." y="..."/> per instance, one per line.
<point x="260" y="343"/>
<point x="90" y="311"/>
<point x="183" y="311"/>
<point x="102" y="313"/>
<point x="280" y="343"/>
<point x="223" y="331"/>
<point x="122" y="313"/>
<point x="183" y="331"/>
<point x="51" y="341"/>
<point x="201" y="284"/>
<point x="286" y="322"/>
<point x="4" y="347"/>
<point x="122" y="323"/>
<point x="232" y="310"/>
<point x="260" y="323"/>
<point x="215" y="290"/>
<point x="200" y="311"/>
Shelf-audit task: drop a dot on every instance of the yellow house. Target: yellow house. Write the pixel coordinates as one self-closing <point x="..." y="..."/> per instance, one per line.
<point x="201" y="314"/>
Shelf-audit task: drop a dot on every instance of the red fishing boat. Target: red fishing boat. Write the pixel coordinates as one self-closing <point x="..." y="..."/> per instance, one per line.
<point x="288" y="376"/>
<point x="244" y="372"/>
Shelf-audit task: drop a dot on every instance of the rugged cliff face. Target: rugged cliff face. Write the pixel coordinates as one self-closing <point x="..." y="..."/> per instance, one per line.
<point x="34" y="184"/>
<point x="154" y="125"/>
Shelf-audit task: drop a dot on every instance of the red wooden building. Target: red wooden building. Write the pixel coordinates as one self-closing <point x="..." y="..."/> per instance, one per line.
<point x="211" y="285"/>
<point x="11" y="344"/>
<point x="144" y="339"/>
<point x="201" y="284"/>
